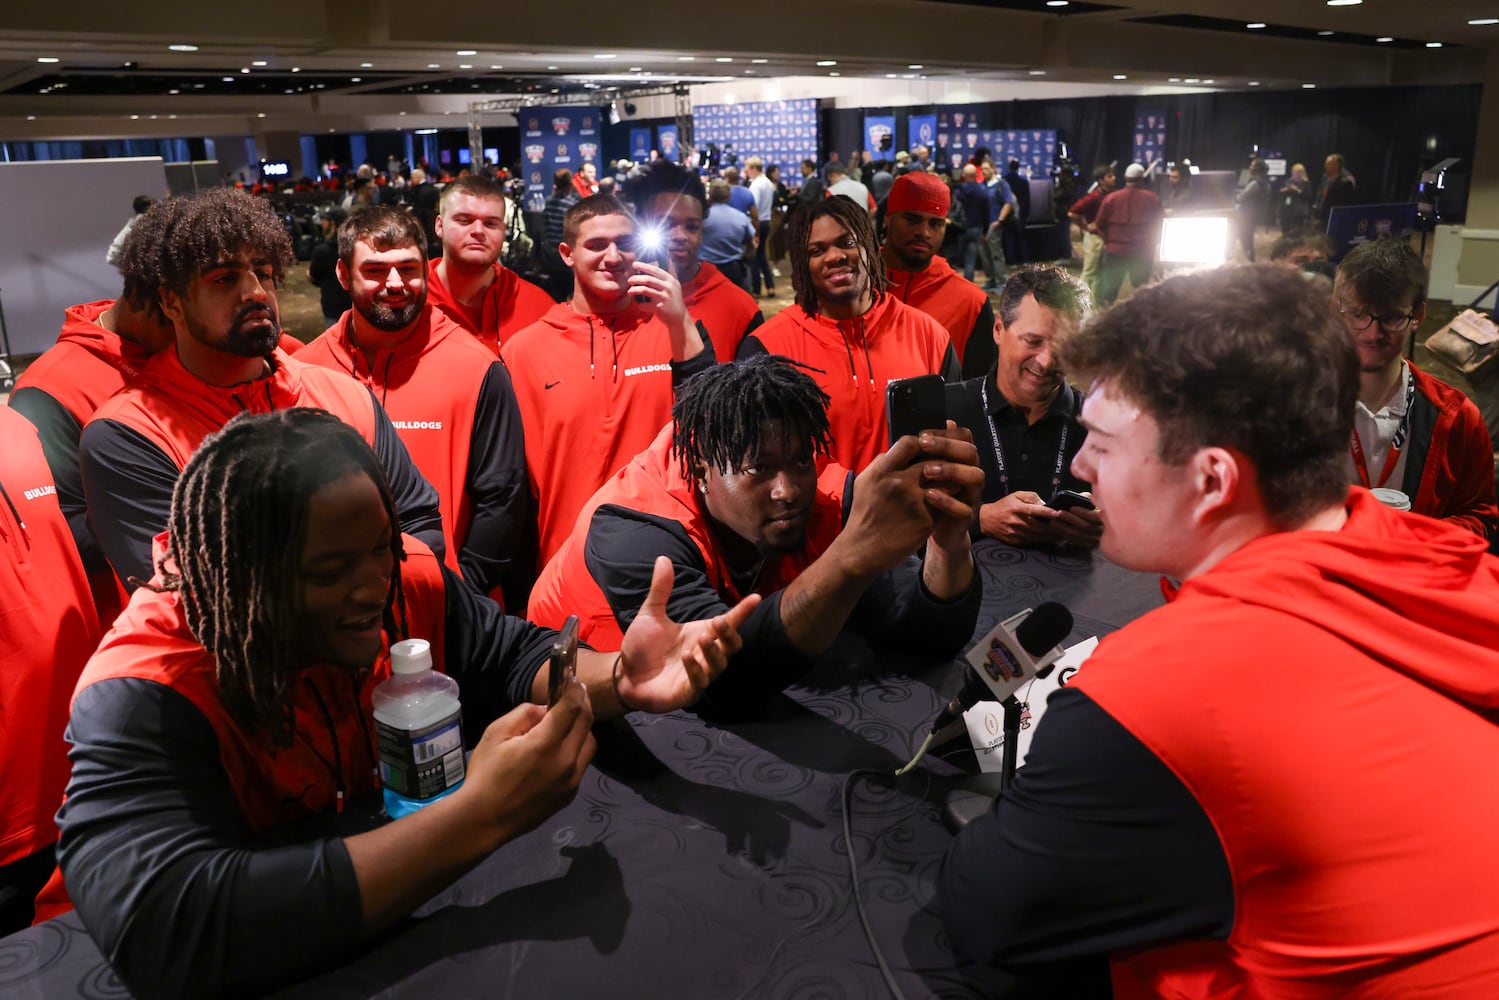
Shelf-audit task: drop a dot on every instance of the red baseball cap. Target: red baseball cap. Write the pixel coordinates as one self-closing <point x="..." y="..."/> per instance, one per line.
<point x="919" y="192"/>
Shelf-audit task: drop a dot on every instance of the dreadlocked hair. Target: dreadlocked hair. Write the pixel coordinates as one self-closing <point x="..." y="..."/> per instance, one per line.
<point x="235" y="534"/>
<point x="662" y="177"/>
<point x="215" y="225"/>
<point x="720" y="415"/>
<point x="851" y="216"/>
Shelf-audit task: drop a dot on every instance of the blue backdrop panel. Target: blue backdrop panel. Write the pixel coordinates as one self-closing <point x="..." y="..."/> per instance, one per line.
<point x="877" y="129"/>
<point x="553" y="138"/>
<point x="640" y="144"/>
<point x="921" y="130"/>
<point x="779" y="132"/>
<point x="1150" y="136"/>
<point x="1351" y="225"/>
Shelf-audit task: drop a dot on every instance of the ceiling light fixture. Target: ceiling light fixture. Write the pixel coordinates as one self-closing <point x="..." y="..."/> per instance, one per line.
<point x="260" y="114"/>
<point x="1384" y="39"/>
<point x="356" y="79"/>
<point x="835" y="73"/>
<point x="1057" y="3"/>
<point x="1208" y="83"/>
<point x="174" y="91"/>
<point x="891" y="76"/>
<point x="466" y="52"/>
<point x="1344" y="3"/>
<point x="1308" y="86"/>
<point x="433" y="66"/>
<point x="296" y="69"/>
<point x="759" y="60"/>
<point x="1038" y="72"/>
<point x="833" y="62"/>
<point x="47" y="59"/>
<point x="605" y="55"/>
<point x="1254" y="83"/>
<point x="366" y="65"/>
<point x="260" y="62"/>
<point x="1324" y="34"/>
<point x="724" y="59"/>
<point x="1479" y="21"/>
<point x="244" y="69"/>
<point x="465" y="65"/>
<point x="1174" y="79"/>
<point x="228" y="79"/>
<point x="183" y="48"/>
<point x="1120" y="76"/>
<point x="31" y="118"/>
<point x="1433" y="45"/>
<point x="686" y="58"/>
<point x="1255" y="25"/>
<point x="916" y="66"/>
<point x="1193" y="79"/>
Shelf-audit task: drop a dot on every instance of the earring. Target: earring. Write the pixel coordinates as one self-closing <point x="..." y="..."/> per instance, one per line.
<point x="702" y="488"/>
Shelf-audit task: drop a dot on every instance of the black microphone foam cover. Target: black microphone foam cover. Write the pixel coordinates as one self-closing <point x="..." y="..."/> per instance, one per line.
<point x="1044" y="627"/>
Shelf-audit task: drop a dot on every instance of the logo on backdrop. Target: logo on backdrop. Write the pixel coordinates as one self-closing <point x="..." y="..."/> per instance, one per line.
<point x="533" y="124"/>
<point x="562" y="156"/>
<point x="925" y="133"/>
<point x="535" y="152"/>
<point x="957" y="119"/>
<point x="588" y="150"/>
<point x="561" y="125"/>
<point x="588" y="123"/>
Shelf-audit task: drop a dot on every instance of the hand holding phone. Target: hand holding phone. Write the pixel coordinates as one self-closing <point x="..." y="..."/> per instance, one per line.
<point x="913" y="405"/>
<point x="564" y="660"/>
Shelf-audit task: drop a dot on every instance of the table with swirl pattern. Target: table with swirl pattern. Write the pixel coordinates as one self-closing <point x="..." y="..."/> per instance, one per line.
<point x="703" y="858"/>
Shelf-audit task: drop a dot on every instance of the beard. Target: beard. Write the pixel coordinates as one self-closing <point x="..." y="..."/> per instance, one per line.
<point x="254" y="342"/>
<point x="383" y="317"/>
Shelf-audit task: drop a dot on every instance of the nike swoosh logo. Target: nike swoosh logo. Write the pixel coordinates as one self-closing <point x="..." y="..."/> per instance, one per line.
<point x="552" y="385"/>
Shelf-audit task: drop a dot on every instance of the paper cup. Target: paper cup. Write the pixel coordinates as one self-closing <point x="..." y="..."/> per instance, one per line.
<point x="1392" y="498"/>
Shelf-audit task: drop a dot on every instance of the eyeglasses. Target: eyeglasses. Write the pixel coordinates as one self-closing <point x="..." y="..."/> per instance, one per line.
<point x="844" y="242"/>
<point x="1395" y="323"/>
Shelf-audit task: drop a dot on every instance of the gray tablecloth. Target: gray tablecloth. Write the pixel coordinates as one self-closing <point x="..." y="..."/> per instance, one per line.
<point x="702" y="859"/>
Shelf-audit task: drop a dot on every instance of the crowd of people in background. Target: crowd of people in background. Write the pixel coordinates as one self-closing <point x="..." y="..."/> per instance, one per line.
<point x="479" y="445"/>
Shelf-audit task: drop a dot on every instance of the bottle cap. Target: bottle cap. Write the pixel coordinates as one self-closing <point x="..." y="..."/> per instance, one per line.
<point x="1392" y="498"/>
<point x="410" y="656"/>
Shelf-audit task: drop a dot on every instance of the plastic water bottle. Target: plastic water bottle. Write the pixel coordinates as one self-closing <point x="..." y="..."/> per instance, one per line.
<point x="418" y="724"/>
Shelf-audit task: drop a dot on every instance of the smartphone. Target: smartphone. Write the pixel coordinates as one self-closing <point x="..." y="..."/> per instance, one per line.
<point x="650" y="248"/>
<point x="1068" y="499"/>
<point x="564" y="663"/>
<point x="913" y="405"/>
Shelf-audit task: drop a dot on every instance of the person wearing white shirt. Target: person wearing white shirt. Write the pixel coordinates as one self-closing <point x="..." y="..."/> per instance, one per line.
<point x="764" y="190"/>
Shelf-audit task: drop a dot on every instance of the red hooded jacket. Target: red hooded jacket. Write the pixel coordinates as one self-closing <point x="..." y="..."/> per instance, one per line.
<point x="1327" y="698"/>
<point x="1450" y="471"/>
<point x="949" y="298"/>
<point x="593" y="391"/>
<point x="853" y="360"/>
<point x="726" y="310"/>
<point x="510" y="304"/>
<point x="48" y="629"/>
<point x="653" y="484"/>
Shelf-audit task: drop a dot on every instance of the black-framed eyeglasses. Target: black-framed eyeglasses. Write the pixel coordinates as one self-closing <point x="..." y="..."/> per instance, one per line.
<point x="1358" y="320"/>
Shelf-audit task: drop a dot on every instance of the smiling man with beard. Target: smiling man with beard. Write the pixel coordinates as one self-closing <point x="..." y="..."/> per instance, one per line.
<point x="222" y="258"/>
<point x="449" y="399"/>
<point x="847" y="328"/>
<point x="730" y="492"/>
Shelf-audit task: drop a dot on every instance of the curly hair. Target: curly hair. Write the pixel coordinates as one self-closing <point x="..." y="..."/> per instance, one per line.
<point x="139" y="262"/>
<point x="851" y="216"/>
<point x="214" y="225"/>
<point x="719" y="416"/>
<point x="1247" y="358"/>
<point x="235" y="535"/>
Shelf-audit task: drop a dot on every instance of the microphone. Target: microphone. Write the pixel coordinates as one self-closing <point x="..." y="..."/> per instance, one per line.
<point x="1021" y="648"/>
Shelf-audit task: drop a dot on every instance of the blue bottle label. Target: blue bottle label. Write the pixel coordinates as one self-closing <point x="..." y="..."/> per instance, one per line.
<point x="421" y="763"/>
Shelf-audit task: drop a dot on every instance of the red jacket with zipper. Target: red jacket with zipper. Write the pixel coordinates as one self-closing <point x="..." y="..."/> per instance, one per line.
<point x="727" y="311"/>
<point x="593" y="393"/>
<point x="510" y="304"/>
<point x="48" y="630"/>
<point x="853" y="360"/>
<point x="949" y="298"/>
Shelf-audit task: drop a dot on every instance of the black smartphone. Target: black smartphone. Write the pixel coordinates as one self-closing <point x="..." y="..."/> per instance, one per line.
<point x="650" y="248"/>
<point x="1068" y="499"/>
<point x="913" y="405"/>
<point x="564" y="664"/>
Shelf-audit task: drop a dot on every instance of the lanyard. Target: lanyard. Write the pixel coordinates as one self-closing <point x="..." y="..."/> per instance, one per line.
<point x="1360" y="464"/>
<point x="999" y="452"/>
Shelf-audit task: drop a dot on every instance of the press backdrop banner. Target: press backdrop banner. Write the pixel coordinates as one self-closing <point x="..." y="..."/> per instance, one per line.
<point x="879" y="134"/>
<point x="666" y="141"/>
<point x="640" y="144"/>
<point x="553" y="138"/>
<point x="921" y="130"/>
<point x="780" y="132"/>
<point x="1150" y="136"/>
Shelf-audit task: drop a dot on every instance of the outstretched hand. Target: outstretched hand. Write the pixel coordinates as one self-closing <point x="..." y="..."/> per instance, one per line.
<point x="666" y="665"/>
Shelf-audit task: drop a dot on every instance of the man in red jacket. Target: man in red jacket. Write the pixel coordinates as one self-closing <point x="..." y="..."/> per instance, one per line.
<point x="595" y="378"/>
<point x="1411" y="431"/>
<point x="468" y="282"/>
<point x="219" y="262"/>
<point x="1266" y="788"/>
<point x="1129" y="221"/>
<point x="48" y="630"/>
<point x="915" y="221"/>
<point x="450" y="401"/>
<point x="671" y="204"/>
<point x="847" y="328"/>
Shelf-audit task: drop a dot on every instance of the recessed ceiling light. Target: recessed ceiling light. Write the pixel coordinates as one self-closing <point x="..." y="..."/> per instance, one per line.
<point x="433" y="66"/>
<point x="724" y="59"/>
<point x="833" y="62"/>
<point x="1385" y="38"/>
<point x="260" y="62"/>
<point x="366" y="65"/>
<point x="1308" y="86"/>
<point x="1038" y="72"/>
<point x="1344" y="3"/>
<point x="135" y="118"/>
<point x="916" y="66"/>
<point x="1324" y="34"/>
<point x="174" y="91"/>
<point x="1254" y="83"/>
<point x="1484" y="20"/>
<point x="1193" y="79"/>
<point x="403" y="112"/>
<point x="154" y="117"/>
<point x="635" y="69"/>
<point x="1174" y="79"/>
<point x="465" y="65"/>
<point x="835" y="73"/>
<point x="1207" y="82"/>
<point x="1433" y="45"/>
<point x="891" y="76"/>
<point x="47" y="59"/>
<point x="31" y="118"/>
<point x="466" y="52"/>
<point x="296" y="69"/>
<point x="228" y="79"/>
<point x="759" y="60"/>
<point x="356" y="79"/>
<point x="1120" y="76"/>
<point x="686" y="58"/>
<point x="908" y="76"/>
<point x="173" y="117"/>
<point x="244" y="69"/>
<point x="1255" y="25"/>
<point x="183" y="48"/>
<point x="1056" y="3"/>
<point x="495" y="66"/>
<point x="260" y="114"/>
